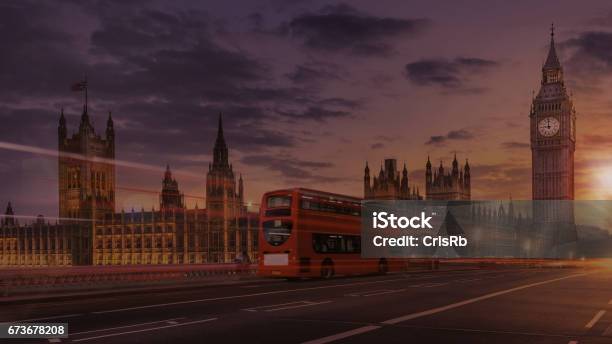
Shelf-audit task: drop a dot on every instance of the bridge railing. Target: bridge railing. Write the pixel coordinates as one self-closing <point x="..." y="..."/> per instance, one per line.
<point x="24" y="280"/>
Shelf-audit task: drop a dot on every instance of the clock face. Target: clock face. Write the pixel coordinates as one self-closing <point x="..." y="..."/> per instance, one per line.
<point x="548" y="127"/>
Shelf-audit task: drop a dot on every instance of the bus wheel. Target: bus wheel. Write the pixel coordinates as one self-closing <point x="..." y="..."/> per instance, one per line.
<point x="383" y="267"/>
<point x="327" y="269"/>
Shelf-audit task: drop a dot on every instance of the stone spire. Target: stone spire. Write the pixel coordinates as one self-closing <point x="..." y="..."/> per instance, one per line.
<point x="552" y="61"/>
<point x="220" y="154"/>
<point x="455" y="167"/>
<point x="241" y="189"/>
<point x="9" y="218"/>
<point x="366" y="181"/>
<point x="110" y="126"/>
<point x="85" y="125"/>
<point x="62" y="131"/>
<point x="404" y="182"/>
<point x="168" y="174"/>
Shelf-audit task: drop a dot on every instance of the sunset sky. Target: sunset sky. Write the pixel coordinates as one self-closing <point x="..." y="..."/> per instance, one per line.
<point x="309" y="91"/>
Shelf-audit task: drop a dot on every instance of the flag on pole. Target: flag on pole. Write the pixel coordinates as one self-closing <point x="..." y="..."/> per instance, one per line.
<point x="79" y="86"/>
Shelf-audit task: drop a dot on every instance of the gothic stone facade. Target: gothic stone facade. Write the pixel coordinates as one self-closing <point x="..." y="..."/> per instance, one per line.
<point x="389" y="185"/>
<point x="86" y="170"/>
<point x="443" y="186"/>
<point x="37" y="244"/>
<point x="223" y="232"/>
<point x="89" y="231"/>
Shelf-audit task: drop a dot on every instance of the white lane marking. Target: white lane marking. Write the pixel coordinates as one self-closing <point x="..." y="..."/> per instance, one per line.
<point x="55" y="340"/>
<point x="573" y="342"/>
<point x="397" y="320"/>
<point x="427" y="285"/>
<point x="260" y="294"/>
<point x="172" y="322"/>
<point x="473" y="300"/>
<point x="343" y="335"/>
<point x="610" y="302"/>
<point x="46" y="318"/>
<point x="143" y="330"/>
<point x="283" y="306"/>
<point x="309" y="304"/>
<point x="255" y="309"/>
<point x="125" y="326"/>
<point x="383" y="292"/>
<point x="363" y="293"/>
<point x="608" y="331"/>
<point x="595" y="319"/>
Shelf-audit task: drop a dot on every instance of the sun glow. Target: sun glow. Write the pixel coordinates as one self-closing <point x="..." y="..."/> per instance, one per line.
<point x="604" y="185"/>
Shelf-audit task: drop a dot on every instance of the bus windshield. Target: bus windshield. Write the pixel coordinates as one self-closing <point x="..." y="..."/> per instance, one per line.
<point x="279" y="201"/>
<point x="276" y="232"/>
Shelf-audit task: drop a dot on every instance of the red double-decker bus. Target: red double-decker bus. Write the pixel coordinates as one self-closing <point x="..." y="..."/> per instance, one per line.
<point x="309" y="233"/>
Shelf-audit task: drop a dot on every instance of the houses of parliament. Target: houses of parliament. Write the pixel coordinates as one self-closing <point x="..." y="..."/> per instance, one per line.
<point x="90" y="232"/>
<point x="439" y="185"/>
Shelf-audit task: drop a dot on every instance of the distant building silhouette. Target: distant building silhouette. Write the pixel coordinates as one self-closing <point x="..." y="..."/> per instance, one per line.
<point x="448" y="186"/>
<point x="389" y="184"/>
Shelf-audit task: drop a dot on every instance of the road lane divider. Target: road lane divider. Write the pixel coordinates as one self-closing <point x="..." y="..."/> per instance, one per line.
<point x="144" y="330"/>
<point x="428" y="285"/>
<point x="255" y="309"/>
<point x="284" y="306"/>
<point x="309" y="304"/>
<point x="384" y="292"/>
<point x="393" y="321"/>
<point x="124" y="326"/>
<point x="595" y="319"/>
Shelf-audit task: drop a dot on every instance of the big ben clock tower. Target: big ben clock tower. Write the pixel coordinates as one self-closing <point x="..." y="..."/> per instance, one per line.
<point x="553" y="142"/>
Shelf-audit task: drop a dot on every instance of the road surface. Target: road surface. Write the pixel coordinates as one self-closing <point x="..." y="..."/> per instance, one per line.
<point x="477" y="306"/>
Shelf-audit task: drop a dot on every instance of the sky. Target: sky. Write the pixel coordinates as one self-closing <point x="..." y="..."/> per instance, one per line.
<point x="309" y="91"/>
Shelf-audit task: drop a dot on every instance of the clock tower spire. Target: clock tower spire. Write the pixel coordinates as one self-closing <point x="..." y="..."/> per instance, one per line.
<point x="553" y="142"/>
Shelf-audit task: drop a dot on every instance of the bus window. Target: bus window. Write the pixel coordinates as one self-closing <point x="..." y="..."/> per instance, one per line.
<point x="353" y="244"/>
<point x="331" y="208"/>
<point x="276" y="232"/>
<point x="279" y="201"/>
<point x="333" y="243"/>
